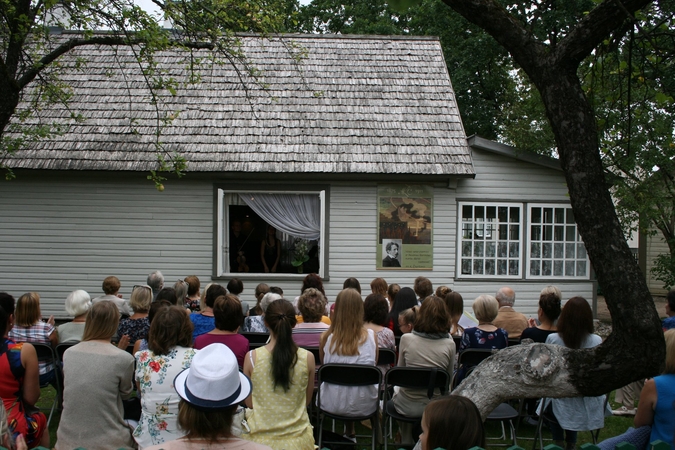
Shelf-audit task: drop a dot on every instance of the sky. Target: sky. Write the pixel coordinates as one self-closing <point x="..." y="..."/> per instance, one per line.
<point x="152" y="8"/>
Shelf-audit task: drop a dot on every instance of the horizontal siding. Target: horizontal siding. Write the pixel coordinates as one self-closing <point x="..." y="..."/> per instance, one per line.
<point x="64" y="233"/>
<point x="499" y="177"/>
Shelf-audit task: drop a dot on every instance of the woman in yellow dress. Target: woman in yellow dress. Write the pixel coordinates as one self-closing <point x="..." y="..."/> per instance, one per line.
<point x="283" y="382"/>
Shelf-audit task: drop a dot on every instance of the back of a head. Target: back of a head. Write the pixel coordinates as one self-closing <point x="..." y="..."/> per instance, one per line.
<point x="455" y="303"/>
<point x="276" y="290"/>
<point x="155" y="307"/>
<point x="347" y="323"/>
<point x="181" y="287"/>
<point x="168" y="294"/>
<point x="550" y="305"/>
<point x="280" y="319"/>
<point x="193" y="285"/>
<point x="260" y="290"/>
<point x="27" y="311"/>
<point x="433" y="317"/>
<point x="102" y="321"/>
<point x="485" y="307"/>
<point x="227" y="313"/>
<point x="268" y="299"/>
<point x="312" y="280"/>
<point x="453" y="423"/>
<point x="423" y="287"/>
<point x="170" y="327"/>
<point x="442" y="291"/>
<point x="352" y="283"/>
<point x="392" y="291"/>
<point x="406" y="298"/>
<point x="669" y="336"/>
<point x="575" y="322"/>
<point x="312" y="305"/>
<point x="78" y="302"/>
<point x="235" y="286"/>
<point x="379" y="286"/>
<point x="155" y="280"/>
<point x="505" y="296"/>
<point x="7" y="303"/>
<point x="141" y="298"/>
<point x="375" y="309"/>
<point x="212" y="293"/>
<point x="111" y="285"/>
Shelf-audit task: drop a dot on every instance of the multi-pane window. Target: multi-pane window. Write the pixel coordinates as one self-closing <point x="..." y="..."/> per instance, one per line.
<point x="496" y="240"/>
<point x="490" y="239"/>
<point x="556" y="249"/>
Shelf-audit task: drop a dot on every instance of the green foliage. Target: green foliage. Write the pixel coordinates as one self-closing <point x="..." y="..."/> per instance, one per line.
<point x="664" y="270"/>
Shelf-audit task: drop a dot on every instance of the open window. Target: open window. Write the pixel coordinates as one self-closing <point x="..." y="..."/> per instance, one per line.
<point x="271" y="232"/>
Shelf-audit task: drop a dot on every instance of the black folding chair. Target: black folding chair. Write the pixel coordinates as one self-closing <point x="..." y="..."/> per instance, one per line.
<point x="256" y="340"/>
<point x="386" y="356"/>
<point x="45" y="352"/>
<point x="348" y="375"/>
<point x="424" y="378"/>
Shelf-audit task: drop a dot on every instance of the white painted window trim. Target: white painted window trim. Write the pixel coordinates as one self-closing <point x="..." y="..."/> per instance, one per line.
<point x="460" y="233"/>
<point x="529" y="258"/>
<point x="222" y="234"/>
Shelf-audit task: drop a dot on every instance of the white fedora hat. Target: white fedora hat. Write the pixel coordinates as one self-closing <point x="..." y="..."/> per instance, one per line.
<point x="213" y="379"/>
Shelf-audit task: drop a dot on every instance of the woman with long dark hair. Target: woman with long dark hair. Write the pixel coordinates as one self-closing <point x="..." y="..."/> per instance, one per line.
<point x="405" y="299"/>
<point x="283" y="379"/>
<point x="567" y="416"/>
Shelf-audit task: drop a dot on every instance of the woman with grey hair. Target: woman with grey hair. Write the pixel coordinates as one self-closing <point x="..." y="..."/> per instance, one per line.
<point x="256" y="324"/>
<point x="77" y="304"/>
<point x="312" y="306"/>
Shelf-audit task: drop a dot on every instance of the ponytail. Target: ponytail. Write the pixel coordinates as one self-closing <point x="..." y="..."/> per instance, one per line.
<point x="280" y="318"/>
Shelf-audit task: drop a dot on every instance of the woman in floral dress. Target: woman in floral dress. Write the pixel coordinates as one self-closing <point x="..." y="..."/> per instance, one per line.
<point x="168" y="354"/>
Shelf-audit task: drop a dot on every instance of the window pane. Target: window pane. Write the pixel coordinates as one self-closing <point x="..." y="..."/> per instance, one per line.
<point x="546" y="268"/>
<point x="478" y="267"/>
<point x="513" y="267"/>
<point x="535" y="268"/>
<point x="558" y="250"/>
<point x="559" y="233"/>
<point x="489" y="267"/>
<point x="570" y="233"/>
<point x="490" y="230"/>
<point x="535" y="250"/>
<point x="581" y="251"/>
<point x="478" y="228"/>
<point x="536" y="215"/>
<point x="501" y="249"/>
<point x="467" y="232"/>
<point x="467" y="212"/>
<point x="466" y="267"/>
<point x="535" y="232"/>
<point x="514" y="250"/>
<point x="548" y="215"/>
<point x="466" y="248"/>
<point x="477" y="249"/>
<point x="480" y="212"/>
<point x="514" y="232"/>
<point x="515" y="215"/>
<point x="501" y="267"/>
<point x="548" y="233"/>
<point x="546" y="250"/>
<point x="559" y="215"/>
<point x="503" y="213"/>
<point x="570" y="216"/>
<point x="557" y="268"/>
<point x="490" y="249"/>
<point x="491" y="213"/>
<point x="581" y="268"/>
<point x="569" y="268"/>
<point x="569" y="251"/>
<point x="503" y="232"/>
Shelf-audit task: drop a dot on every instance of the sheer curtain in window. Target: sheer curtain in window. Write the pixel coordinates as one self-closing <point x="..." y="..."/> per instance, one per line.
<point x="296" y="214"/>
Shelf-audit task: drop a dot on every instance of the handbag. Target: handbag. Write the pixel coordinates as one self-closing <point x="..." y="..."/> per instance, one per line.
<point x="239" y="423"/>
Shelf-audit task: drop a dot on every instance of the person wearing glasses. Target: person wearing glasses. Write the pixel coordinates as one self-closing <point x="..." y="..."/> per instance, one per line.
<point x="111" y="288"/>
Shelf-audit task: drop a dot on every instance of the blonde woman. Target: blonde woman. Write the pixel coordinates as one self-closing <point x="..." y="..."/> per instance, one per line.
<point x="137" y="325"/>
<point x="347" y="341"/>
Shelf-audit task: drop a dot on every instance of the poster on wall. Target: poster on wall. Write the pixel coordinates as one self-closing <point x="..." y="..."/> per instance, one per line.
<point x="404" y="227"/>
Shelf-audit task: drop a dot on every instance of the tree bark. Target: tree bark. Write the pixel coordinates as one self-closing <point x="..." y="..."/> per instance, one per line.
<point x="635" y="349"/>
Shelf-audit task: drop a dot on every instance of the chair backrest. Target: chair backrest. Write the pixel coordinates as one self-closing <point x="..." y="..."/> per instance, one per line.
<point x="429" y="378"/>
<point x="514" y="341"/>
<point x="62" y="347"/>
<point x="45" y="352"/>
<point x="457" y="340"/>
<point x="256" y="338"/>
<point x="386" y="356"/>
<point x="349" y="374"/>
<point x="314" y="351"/>
<point x="473" y="356"/>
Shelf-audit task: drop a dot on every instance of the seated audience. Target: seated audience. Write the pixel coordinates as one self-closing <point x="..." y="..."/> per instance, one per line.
<point x="260" y="290"/>
<point x="347" y="341"/>
<point x="156" y="282"/>
<point x="277" y="290"/>
<point x="429" y="345"/>
<point x="142" y="344"/>
<point x="203" y="320"/>
<point x="508" y="318"/>
<point x="375" y="312"/>
<point x="380" y="286"/>
<point x="669" y="322"/>
<point x="77" y="305"/>
<point x="29" y="327"/>
<point x="455" y="303"/>
<point x="167" y="355"/>
<point x="405" y="299"/>
<point x="656" y="409"/>
<point x="312" y="306"/>
<point x="193" y="298"/>
<point x="312" y="280"/>
<point x="283" y="379"/>
<point x="392" y="290"/>
<point x="181" y="287"/>
<point x="111" y="290"/>
<point x="137" y="325"/>
<point x="20" y="383"/>
<point x="452" y="422"/>
<point x="169" y="294"/>
<point x="210" y="391"/>
<point x="97" y="377"/>
<point x="567" y="416"/>
<point x="352" y="283"/>
<point x="228" y="318"/>
<point x="256" y="324"/>
<point x="548" y="312"/>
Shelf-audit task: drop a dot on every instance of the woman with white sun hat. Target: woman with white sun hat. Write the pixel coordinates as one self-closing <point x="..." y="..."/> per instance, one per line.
<point x="210" y="391"/>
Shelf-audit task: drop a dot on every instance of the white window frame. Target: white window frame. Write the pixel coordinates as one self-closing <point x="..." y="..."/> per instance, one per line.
<point x="565" y="246"/>
<point x="473" y="257"/>
<point x="223" y="227"/>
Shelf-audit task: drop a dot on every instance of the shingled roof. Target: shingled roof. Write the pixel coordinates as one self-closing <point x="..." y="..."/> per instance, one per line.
<point x="351" y="104"/>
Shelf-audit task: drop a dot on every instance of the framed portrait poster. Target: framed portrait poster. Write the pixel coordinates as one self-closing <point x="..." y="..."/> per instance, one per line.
<point x="404" y="227"/>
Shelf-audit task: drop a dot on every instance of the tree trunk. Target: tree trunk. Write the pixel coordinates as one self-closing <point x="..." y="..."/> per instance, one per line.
<point x="635" y="349"/>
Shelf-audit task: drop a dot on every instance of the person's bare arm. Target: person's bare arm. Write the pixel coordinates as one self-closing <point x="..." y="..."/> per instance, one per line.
<point x="137" y="346"/>
<point x="31" y="377"/>
<point x="311" y="371"/>
<point x="54" y="338"/>
<point x="248" y="371"/>
<point x="645" y="410"/>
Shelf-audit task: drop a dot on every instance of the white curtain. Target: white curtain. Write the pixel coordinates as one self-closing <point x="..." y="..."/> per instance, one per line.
<point x="296" y="214"/>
